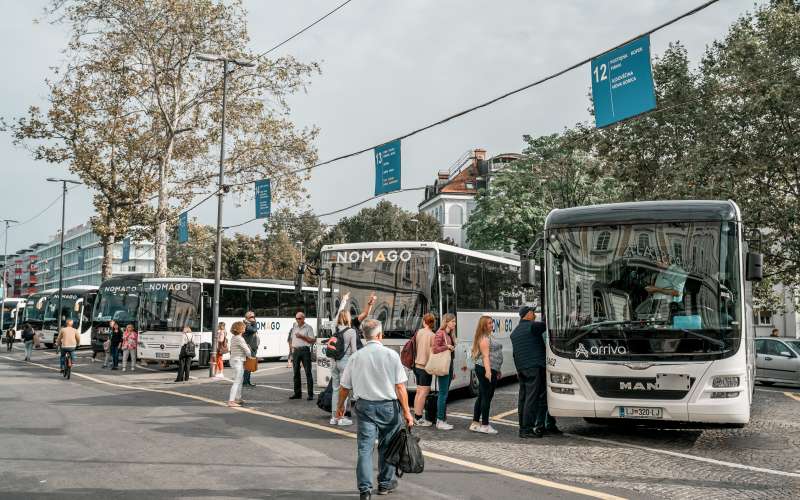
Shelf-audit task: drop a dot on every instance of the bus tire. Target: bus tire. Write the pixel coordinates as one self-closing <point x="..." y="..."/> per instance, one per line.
<point x="473" y="384"/>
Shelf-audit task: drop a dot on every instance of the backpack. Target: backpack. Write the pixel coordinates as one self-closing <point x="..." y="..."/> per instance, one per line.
<point x="404" y="452"/>
<point x="325" y="398"/>
<point x="188" y="349"/>
<point x="337" y="347"/>
<point x="409" y="353"/>
<point x="27" y="335"/>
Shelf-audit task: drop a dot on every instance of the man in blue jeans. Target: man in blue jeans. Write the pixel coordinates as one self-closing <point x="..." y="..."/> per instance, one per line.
<point x="376" y="379"/>
<point x="68" y="339"/>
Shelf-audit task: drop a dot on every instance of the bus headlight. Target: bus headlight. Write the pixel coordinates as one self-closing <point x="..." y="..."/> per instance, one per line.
<point x="563" y="390"/>
<point x="724" y="395"/>
<point x="561" y="378"/>
<point x="725" y="381"/>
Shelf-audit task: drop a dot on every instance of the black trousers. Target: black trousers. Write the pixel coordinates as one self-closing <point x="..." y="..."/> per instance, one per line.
<point x="532" y="403"/>
<point x="183" y="369"/>
<point x="302" y="355"/>
<point x="486" y="389"/>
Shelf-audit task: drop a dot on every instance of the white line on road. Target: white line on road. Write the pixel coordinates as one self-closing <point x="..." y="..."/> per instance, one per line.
<point x="733" y="465"/>
<point x="436" y="456"/>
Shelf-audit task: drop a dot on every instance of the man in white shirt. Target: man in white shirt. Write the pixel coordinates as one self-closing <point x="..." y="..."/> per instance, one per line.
<point x="376" y="379"/>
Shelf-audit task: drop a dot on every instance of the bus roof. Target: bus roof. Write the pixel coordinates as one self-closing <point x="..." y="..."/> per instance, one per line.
<point x="13" y="300"/>
<point x="44" y="293"/>
<point x="510" y="259"/>
<point x="643" y="212"/>
<point x="206" y="281"/>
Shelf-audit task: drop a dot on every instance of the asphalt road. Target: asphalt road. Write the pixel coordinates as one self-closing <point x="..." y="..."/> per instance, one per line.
<point x="119" y="435"/>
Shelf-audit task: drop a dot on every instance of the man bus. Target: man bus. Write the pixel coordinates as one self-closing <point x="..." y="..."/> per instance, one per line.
<point x="648" y="312"/>
<point x="411" y="279"/>
<point x="12" y="315"/>
<point x="118" y="300"/>
<point x="77" y="303"/>
<point x="35" y="306"/>
<point x="168" y="305"/>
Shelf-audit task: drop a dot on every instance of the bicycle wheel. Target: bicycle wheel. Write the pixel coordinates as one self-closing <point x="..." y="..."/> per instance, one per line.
<point x="68" y="368"/>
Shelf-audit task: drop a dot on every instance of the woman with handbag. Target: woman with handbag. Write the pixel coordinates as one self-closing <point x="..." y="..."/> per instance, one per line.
<point x="240" y="351"/>
<point x="444" y="346"/>
<point x="424" y="340"/>
<point x="130" y="342"/>
<point x="222" y="348"/>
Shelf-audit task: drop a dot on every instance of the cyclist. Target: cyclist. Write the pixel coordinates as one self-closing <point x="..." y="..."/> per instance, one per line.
<point x="68" y="339"/>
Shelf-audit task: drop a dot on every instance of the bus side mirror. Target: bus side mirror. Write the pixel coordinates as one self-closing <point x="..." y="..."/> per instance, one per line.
<point x="528" y="275"/>
<point x="755" y="263"/>
<point x="77" y="306"/>
<point x="206" y="299"/>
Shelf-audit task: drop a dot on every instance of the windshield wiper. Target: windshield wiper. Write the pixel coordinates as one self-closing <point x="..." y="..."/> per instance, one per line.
<point x="587" y="329"/>
<point x="716" y="342"/>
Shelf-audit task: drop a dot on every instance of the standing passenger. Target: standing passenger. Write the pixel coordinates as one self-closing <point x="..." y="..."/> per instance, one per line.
<point x="424" y="340"/>
<point x="529" y="357"/>
<point x="222" y="348"/>
<point x="27" y="336"/>
<point x="239" y="352"/>
<point x="302" y="339"/>
<point x="116" y="340"/>
<point x="343" y="324"/>
<point x="251" y="337"/>
<point x="184" y="361"/>
<point x="376" y="379"/>
<point x="445" y="340"/>
<point x="488" y="355"/>
<point x="130" y="340"/>
<point x="10" y="339"/>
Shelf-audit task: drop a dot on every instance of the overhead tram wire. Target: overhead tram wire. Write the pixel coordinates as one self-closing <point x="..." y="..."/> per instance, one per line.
<point x="510" y="93"/>
<point x="45" y="209"/>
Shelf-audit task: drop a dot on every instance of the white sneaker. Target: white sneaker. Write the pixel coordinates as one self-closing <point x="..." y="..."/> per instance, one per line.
<point x="443" y="426"/>
<point x="333" y="421"/>
<point x="487" y="429"/>
<point x="474" y="426"/>
<point x="219" y="375"/>
<point x="423" y="423"/>
<point x="345" y="421"/>
<point x="123" y="369"/>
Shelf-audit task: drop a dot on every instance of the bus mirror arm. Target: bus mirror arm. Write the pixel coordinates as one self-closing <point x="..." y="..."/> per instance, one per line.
<point x="755" y="260"/>
<point x="528" y="263"/>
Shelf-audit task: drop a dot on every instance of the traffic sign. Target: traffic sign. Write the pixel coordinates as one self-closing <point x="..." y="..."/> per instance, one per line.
<point x="126" y="249"/>
<point x="622" y="83"/>
<point x="387" y="167"/>
<point x="183" y="228"/>
<point x="263" y="199"/>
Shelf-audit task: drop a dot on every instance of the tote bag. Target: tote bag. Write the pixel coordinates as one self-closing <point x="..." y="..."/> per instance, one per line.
<point x="438" y="364"/>
<point x="251" y="364"/>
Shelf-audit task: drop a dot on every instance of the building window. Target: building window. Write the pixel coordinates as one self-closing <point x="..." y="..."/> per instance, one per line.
<point x="603" y="240"/>
<point x="762" y="317"/>
<point x="677" y="251"/>
<point x="644" y="241"/>
<point x="456" y="215"/>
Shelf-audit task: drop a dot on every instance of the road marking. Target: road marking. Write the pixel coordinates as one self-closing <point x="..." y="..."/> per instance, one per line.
<point x="791" y="395"/>
<point x="505" y="413"/>
<point x="332" y="430"/>
<point x="732" y="465"/>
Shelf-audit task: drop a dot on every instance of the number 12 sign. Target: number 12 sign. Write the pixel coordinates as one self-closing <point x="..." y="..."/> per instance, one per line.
<point x="622" y="83"/>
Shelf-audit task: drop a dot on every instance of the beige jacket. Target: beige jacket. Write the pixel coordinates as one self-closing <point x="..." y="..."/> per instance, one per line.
<point x="424" y="343"/>
<point x="69" y="337"/>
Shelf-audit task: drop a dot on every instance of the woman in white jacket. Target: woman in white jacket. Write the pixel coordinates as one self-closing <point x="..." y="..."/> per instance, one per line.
<point x="239" y="353"/>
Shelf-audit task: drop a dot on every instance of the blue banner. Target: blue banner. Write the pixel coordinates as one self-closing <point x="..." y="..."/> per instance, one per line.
<point x="622" y="83"/>
<point x="183" y="228"/>
<point x="263" y="199"/>
<point x="126" y="249"/>
<point x="387" y="167"/>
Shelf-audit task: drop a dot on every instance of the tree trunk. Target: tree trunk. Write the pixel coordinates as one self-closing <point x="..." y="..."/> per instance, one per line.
<point x="160" y="240"/>
<point x="108" y="246"/>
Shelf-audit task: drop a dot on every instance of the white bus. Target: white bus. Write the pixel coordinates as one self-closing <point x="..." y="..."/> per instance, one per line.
<point x="13" y="310"/>
<point x="414" y="278"/>
<point x="77" y="303"/>
<point x="35" y="306"/>
<point x="167" y="305"/>
<point x="649" y="313"/>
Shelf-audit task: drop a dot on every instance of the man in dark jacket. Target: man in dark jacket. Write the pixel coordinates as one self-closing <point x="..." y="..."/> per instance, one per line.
<point x="251" y="337"/>
<point x="527" y="340"/>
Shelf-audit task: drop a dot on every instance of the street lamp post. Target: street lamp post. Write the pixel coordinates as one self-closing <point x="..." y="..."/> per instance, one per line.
<point x="64" y="183"/>
<point x="416" y="228"/>
<point x="5" y="268"/>
<point x="226" y="60"/>
<point x="191" y="265"/>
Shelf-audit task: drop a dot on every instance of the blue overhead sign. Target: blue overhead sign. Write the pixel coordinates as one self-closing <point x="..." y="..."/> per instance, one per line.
<point x="387" y="167"/>
<point x="126" y="249"/>
<point x="263" y="199"/>
<point x="622" y="83"/>
<point x="183" y="228"/>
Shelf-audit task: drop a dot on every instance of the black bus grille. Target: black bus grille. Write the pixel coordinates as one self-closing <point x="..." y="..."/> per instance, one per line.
<point x="633" y="388"/>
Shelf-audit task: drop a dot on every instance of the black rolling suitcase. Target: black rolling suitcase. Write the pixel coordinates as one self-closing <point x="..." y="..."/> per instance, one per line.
<point x="431" y="405"/>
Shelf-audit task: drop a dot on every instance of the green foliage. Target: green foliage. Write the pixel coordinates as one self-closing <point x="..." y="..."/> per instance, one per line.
<point x="385" y="222"/>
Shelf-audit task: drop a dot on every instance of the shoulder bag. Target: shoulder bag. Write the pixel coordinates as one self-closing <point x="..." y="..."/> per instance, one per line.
<point x="251" y="364"/>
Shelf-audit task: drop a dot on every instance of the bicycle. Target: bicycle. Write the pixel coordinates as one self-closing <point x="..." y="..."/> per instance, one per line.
<point x="68" y="365"/>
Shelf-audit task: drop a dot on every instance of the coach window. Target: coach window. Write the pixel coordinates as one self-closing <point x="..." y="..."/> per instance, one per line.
<point x="492" y="284"/>
<point x="291" y="302"/>
<point x="310" y="304"/>
<point x="233" y="302"/>
<point x="264" y="303"/>
<point x="469" y="283"/>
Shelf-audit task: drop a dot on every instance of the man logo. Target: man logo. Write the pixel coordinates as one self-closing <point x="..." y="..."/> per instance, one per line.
<point x="581" y="351"/>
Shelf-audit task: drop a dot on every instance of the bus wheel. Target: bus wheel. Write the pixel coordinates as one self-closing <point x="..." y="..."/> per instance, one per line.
<point x="473" y="384"/>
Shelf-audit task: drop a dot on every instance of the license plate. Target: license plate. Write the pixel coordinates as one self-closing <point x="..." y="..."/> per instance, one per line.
<point x="162" y="355"/>
<point x="638" y="412"/>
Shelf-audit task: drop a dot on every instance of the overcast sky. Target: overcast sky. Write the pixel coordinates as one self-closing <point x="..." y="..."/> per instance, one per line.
<point x="387" y="67"/>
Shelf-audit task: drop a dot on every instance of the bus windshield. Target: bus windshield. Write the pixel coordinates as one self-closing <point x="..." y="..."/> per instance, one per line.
<point x="8" y="309"/>
<point x="169" y="306"/>
<point x="67" y="309"/>
<point x="117" y="302"/>
<point x="34" y="308"/>
<point x="644" y="291"/>
<point x="402" y="280"/>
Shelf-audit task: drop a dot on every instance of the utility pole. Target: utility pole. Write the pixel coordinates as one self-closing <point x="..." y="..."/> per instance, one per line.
<point x="221" y="194"/>
<point x="61" y="248"/>
<point x="5" y="269"/>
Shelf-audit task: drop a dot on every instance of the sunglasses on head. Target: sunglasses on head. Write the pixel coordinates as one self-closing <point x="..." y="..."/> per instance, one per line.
<point x="300" y="317"/>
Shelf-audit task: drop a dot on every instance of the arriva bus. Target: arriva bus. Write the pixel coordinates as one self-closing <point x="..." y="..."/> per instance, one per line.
<point x="170" y="304"/>
<point x="77" y="303"/>
<point x="118" y="300"/>
<point x="649" y="312"/>
<point x="13" y="312"/>
<point x="35" y="305"/>
<point x="410" y="279"/>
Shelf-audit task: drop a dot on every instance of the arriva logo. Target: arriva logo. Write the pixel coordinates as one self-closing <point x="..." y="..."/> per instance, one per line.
<point x="581" y="351"/>
<point x="372" y="256"/>
<point x="602" y="350"/>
